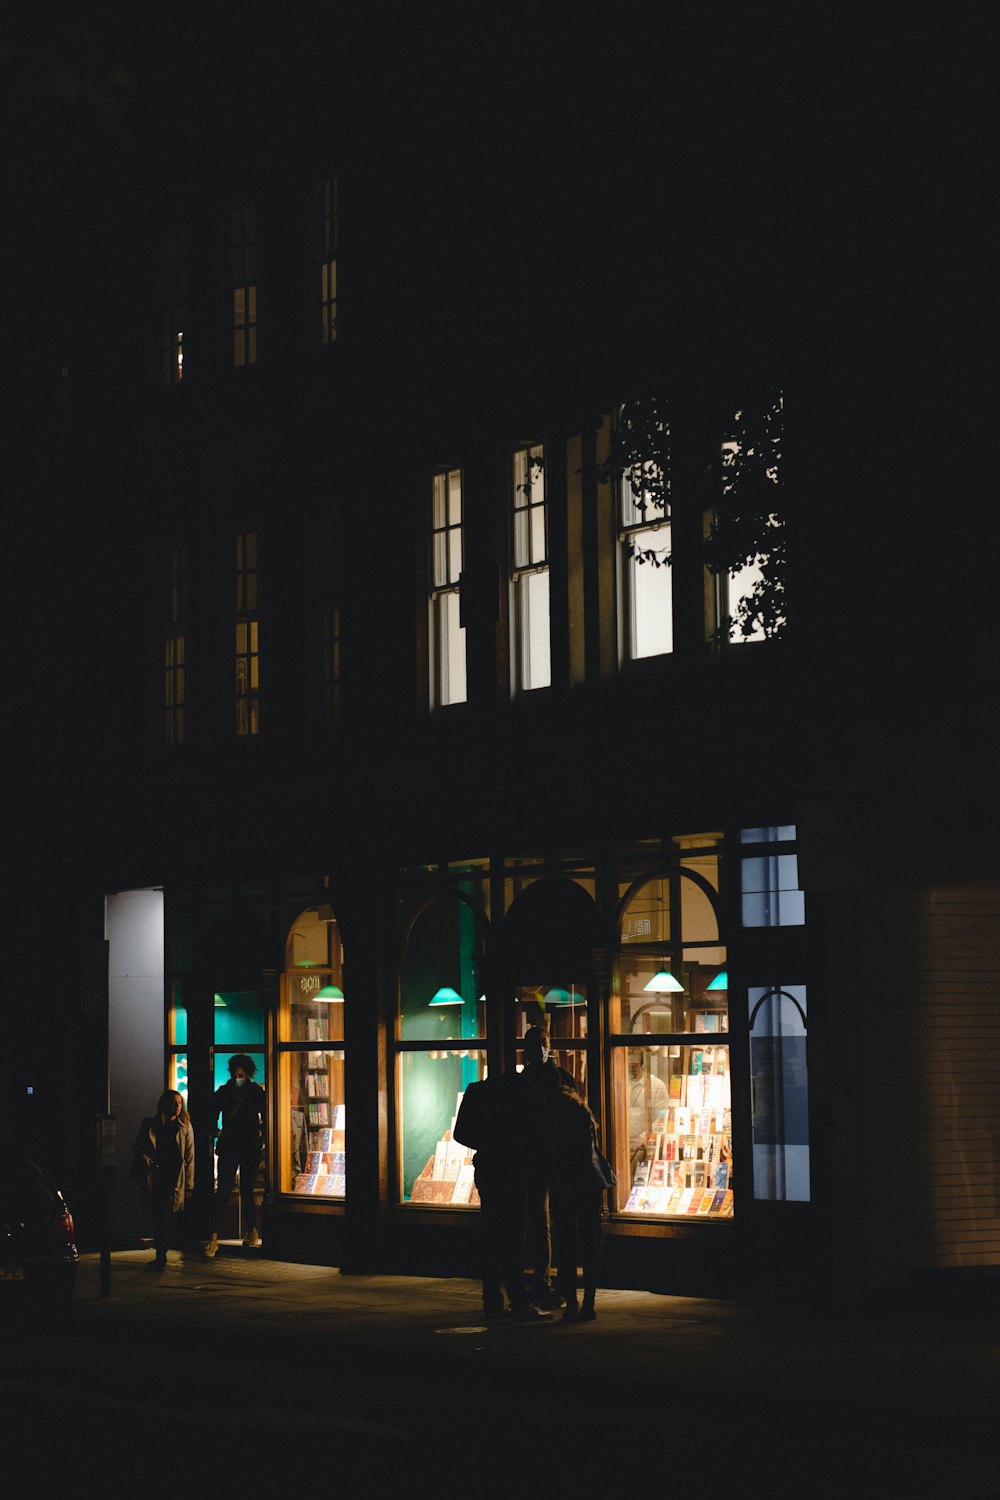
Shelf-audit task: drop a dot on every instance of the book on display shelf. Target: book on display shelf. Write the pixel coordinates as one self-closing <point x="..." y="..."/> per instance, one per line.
<point x="684" y="1201"/>
<point x="718" y="1199"/>
<point x="465" y="1184"/>
<point x="641" y="1173"/>
<point x="657" y="1175"/>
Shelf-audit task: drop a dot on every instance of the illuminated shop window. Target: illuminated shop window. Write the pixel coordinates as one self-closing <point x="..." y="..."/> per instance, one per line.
<point x="175" y="648"/>
<point x="779" y="1091"/>
<point x="530" y="580"/>
<point x="670" y="1057"/>
<point x="244" y="243"/>
<point x="447" y="634"/>
<point x="247" y="637"/>
<point x="440" y="1048"/>
<point x="177" y="1033"/>
<point x="328" y="230"/>
<point x="312" y="1120"/>
<point x="173" y="302"/>
<point x="770" y="878"/>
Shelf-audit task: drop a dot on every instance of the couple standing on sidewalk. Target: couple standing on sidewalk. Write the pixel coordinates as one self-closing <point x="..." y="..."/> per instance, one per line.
<point x="163" y="1157"/>
<point x="533" y="1138"/>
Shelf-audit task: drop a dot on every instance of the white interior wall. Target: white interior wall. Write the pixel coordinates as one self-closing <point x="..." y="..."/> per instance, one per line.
<point x="134" y="929"/>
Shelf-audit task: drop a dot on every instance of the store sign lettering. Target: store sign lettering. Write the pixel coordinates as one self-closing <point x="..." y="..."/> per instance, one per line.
<point x="309" y="984"/>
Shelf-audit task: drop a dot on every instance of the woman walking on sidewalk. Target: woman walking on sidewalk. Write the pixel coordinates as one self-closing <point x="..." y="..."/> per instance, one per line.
<point x="163" y="1161"/>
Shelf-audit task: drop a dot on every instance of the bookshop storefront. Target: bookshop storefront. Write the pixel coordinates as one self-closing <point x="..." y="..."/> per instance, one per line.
<point x="671" y="979"/>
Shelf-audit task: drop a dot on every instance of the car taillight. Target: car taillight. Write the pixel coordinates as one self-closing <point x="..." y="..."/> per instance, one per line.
<point x="63" y="1232"/>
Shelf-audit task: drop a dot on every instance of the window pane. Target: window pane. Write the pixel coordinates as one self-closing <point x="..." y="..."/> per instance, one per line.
<point x="533" y="628"/>
<point x="779" y="1084"/>
<point x="650" y="590"/>
<point x="177" y="1075"/>
<point x="662" y="993"/>
<point x="771" y="897"/>
<point x="673" y="1107"/>
<point x="450" y="649"/>
<point x="436" y="1168"/>
<point x="314" y="1130"/>
<point x="441" y="997"/>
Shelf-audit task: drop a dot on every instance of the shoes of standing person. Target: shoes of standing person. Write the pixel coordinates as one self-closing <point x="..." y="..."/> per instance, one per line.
<point x="529" y="1314"/>
<point x="158" y="1263"/>
<point x="571" y="1314"/>
<point x="211" y="1247"/>
<point x="252" y="1240"/>
<point x="587" y="1313"/>
<point x="550" y="1299"/>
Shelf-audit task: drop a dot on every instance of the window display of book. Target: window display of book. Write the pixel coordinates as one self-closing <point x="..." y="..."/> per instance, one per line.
<point x="325" y="1173"/>
<point x="686" y="1168"/>
<point x="447" y="1176"/>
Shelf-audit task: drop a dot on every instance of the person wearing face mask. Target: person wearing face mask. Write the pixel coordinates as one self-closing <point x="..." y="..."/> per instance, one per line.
<point x="240" y="1146"/>
<point x="163" y="1162"/>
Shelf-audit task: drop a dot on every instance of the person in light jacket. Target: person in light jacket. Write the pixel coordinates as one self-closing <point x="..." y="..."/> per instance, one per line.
<point x="163" y="1160"/>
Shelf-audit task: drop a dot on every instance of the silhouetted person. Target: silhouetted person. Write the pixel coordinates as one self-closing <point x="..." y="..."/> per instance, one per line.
<point x="240" y="1146"/>
<point x="493" y="1120"/>
<point x="543" y="1075"/>
<point x="575" y="1198"/>
<point x="163" y="1160"/>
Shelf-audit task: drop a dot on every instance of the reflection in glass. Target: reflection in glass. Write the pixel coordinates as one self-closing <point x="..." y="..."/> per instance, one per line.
<point x="561" y="1009"/>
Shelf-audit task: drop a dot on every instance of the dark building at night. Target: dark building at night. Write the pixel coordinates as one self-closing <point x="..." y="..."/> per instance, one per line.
<point x="412" y="709"/>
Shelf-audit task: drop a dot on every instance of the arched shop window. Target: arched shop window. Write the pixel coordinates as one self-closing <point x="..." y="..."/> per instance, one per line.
<point x="671" y="1105"/>
<point x="311" y="1118"/>
<point x="779" y="1091"/>
<point x="440" y="1048"/>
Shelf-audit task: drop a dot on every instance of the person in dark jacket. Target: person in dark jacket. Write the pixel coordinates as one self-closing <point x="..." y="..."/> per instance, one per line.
<point x="494" y="1118"/>
<point x="163" y="1161"/>
<point x="543" y="1075"/>
<point x="240" y="1146"/>
<point x="569" y="1134"/>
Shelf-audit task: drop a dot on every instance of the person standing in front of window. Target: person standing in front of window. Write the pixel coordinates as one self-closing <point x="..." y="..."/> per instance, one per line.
<point x="240" y="1146"/>
<point x="163" y="1161"/>
<point x="544" y="1075"/>
<point x="569" y="1136"/>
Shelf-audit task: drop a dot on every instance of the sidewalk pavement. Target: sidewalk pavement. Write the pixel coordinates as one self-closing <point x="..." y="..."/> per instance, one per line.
<point x="916" y="1360"/>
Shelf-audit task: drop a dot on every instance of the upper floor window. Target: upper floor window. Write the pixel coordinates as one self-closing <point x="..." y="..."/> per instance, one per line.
<point x="772" y="896"/>
<point x="447" y="634"/>
<point x="247" y="636"/>
<point x="746" y="542"/>
<point x="641" y="460"/>
<point x="327" y="237"/>
<point x="244" y="242"/>
<point x="173" y="299"/>
<point x="530" y="581"/>
<point x="175" y="647"/>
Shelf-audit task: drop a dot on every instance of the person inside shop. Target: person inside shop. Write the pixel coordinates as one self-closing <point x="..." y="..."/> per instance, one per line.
<point x="648" y="1100"/>
<point x="569" y="1136"/>
<point x="163" y="1162"/>
<point x="495" y="1119"/>
<point x="240" y="1146"/>
<point x="543" y="1075"/>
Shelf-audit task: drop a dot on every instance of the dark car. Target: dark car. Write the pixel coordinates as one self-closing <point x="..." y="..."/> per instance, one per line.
<point x="38" y="1254"/>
